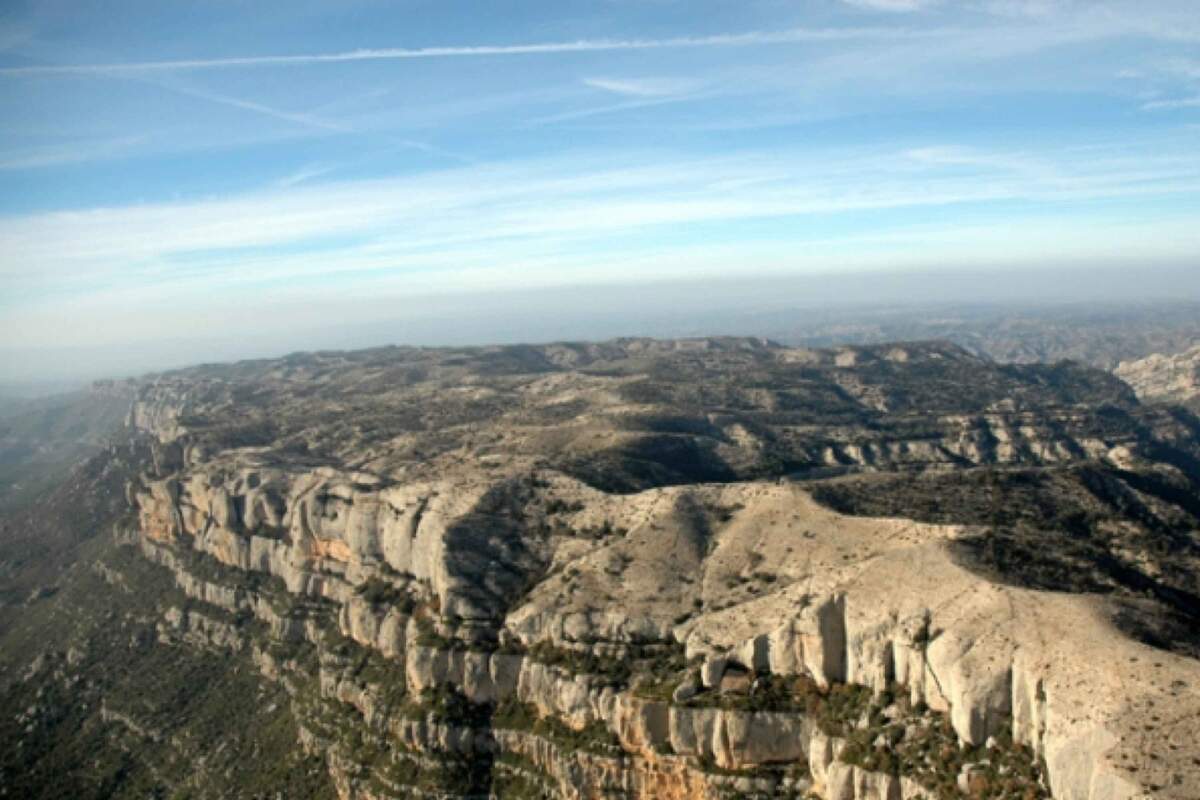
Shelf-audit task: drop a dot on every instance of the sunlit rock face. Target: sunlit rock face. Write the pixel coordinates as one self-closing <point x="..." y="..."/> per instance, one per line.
<point x="702" y="568"/>
<point x="1163" y="378"/>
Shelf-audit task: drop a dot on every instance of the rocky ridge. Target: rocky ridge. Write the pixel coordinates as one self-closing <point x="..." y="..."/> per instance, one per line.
<point x="600" y="571"/>
<point x="1165" y="378"/>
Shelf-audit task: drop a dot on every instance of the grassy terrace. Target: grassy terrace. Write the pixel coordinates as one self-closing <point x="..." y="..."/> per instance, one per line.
<point x="512" y="714"/>
<point x="644" y="665"/>
<point x="836" y="709"/>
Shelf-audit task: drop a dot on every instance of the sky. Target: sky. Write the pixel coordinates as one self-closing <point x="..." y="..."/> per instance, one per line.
<point x="204" y="170"/>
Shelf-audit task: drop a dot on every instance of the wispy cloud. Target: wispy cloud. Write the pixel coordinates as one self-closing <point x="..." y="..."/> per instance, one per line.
<point x="611" y="108"/>
<point x="644" y="87"/>
<point x="635" y="93"/>
<point x="1023" y="8"/>
<point x="306" y="173"/>
<point x="299" y="118"/>
<point x="70" y="153"/>
<point x="508" y="212"/>
<point x="307" y="119"/>
<point x="639" y="93"/>
<point x="1165" y="83"/>
<point x="958" y="156"/>
<point x="290" y="142"/>
<point x="892" y="5"/>
<point x="1180" y="102"/>
<point x="587" y="217"/>
<point x="789" y="36"/>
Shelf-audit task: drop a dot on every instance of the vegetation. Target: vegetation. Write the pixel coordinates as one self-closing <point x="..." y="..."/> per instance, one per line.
<point x="447" y="704"/>
<point x="902" y="740"/>
<point x="836" y="708"/>
<point x="100" y="707"/>
<point x="107" y="712"/>
<point x="379" y="592"/>
<point x="651" y="666"/>
<point x="1070" y="529"/>
<point x="615" y="672"/>
<point x="513" y="714"/>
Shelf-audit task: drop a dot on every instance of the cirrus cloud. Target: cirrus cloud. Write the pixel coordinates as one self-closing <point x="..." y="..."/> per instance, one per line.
<point x="892" y="5"/>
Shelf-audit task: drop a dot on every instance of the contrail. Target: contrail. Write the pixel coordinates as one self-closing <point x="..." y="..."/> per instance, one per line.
<point x="793" y="35"/>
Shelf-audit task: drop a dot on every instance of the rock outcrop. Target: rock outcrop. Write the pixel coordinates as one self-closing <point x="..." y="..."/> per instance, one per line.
<point x="600" y="571"/>
<point x="1165" y="378"/>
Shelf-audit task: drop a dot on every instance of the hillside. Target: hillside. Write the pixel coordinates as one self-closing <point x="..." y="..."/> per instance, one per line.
<point x="1162" y="378"/>
<point x="642" y="568"/>
<point x="41" y="438"/>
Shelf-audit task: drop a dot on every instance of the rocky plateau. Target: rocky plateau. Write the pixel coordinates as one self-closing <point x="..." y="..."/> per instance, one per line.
<point x="710" y="568"/>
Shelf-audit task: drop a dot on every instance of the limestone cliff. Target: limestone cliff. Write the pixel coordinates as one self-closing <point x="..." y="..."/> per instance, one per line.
<point x="1165" y="378"/>
<point x="600" y="570"/>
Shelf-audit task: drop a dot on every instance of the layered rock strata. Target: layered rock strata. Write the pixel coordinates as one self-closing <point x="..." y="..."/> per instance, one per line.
<point x="575" y="571"/>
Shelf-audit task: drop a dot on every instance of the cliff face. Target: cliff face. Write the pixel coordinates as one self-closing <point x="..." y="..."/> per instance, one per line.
<point x="600" y="571"/>
<point x="1165" y="378"/>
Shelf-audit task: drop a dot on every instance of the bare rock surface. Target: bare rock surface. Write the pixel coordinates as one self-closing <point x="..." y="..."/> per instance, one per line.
<point x="1165" y="378"/>
<point x="696" y="568"/>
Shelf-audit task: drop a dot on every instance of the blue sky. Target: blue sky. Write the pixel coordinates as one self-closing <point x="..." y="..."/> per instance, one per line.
<point x="182" y="167"/>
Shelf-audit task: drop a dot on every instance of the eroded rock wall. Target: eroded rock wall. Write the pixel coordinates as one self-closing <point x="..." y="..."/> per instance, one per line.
<point x="473" y="622"/>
